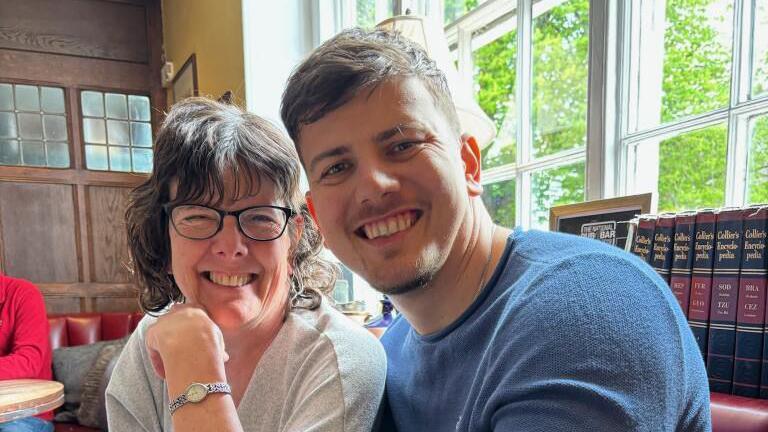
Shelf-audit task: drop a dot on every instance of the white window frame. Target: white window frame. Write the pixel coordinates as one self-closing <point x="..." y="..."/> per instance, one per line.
<point x="499" y="17"/>
<point x="736" y="115"/>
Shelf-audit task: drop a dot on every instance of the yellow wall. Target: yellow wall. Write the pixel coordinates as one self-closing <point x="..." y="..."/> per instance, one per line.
<point x="213" y="31"/>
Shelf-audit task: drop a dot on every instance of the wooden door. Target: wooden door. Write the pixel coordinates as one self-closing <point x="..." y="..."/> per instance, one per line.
<point x="66" y="170"/>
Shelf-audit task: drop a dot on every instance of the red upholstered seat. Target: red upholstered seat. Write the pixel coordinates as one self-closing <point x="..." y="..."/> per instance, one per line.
<point x="84" y="328"/>
<point x="735" y="413"/>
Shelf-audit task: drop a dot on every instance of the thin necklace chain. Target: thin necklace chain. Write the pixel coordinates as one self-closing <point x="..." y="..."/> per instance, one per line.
<point x="485" y="268"/>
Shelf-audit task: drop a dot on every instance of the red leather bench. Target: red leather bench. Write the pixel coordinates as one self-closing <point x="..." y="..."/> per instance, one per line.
<point x="85" y="328"/>
<point x="738" y="414"/>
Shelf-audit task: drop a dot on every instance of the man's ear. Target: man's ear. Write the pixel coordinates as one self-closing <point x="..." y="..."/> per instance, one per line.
<point x="471" y="156"/>
<point x="313" y="213"/>
<point x="311" y="208"/>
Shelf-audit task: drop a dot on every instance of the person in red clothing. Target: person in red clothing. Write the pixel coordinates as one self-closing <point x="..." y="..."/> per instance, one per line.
<point x="25" y="351"/>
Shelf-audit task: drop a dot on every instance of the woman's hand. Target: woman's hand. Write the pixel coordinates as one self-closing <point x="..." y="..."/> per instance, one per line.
<point x="185" y="337"/>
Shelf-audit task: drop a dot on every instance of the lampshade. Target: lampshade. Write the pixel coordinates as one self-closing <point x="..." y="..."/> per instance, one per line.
<point x="473" y="119"/>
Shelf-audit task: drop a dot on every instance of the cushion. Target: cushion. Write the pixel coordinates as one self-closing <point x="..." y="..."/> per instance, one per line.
<point x="93" y="412"/>
<point x="70" y="366"/>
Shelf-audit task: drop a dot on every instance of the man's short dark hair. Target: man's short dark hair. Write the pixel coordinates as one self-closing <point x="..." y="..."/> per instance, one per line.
<point x="352" y="61"/>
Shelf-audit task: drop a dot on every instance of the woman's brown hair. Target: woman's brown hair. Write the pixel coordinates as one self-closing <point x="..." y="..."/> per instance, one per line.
<point x="199" y="142"/>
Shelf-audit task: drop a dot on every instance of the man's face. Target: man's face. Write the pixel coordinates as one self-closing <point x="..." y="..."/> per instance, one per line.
<point x="389" y="184"/>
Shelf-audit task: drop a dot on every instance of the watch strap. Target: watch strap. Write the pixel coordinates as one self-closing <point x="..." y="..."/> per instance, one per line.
<point x="217" y="387"/>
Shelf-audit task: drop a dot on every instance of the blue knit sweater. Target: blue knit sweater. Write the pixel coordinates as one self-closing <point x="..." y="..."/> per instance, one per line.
<point x="569" y="334"/>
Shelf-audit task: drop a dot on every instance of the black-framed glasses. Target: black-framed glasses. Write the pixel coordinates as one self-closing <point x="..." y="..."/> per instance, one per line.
<point x="196" y="222"/>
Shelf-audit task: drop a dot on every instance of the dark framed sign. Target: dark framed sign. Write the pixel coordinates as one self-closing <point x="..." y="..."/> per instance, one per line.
<point x="606" y="220"/>
<point x="185" y="81"/>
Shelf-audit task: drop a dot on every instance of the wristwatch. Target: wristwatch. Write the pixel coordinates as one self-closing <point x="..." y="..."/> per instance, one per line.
<point x="196" y="392"/>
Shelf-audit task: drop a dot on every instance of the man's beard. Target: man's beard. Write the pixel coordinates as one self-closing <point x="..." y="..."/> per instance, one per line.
<point x="426" y="269"/>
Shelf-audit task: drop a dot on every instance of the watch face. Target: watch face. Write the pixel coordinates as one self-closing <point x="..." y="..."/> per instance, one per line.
<point x="196" y="392"/>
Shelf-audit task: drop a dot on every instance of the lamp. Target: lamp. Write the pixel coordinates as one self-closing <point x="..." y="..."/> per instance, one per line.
<point x="418" y="29"/>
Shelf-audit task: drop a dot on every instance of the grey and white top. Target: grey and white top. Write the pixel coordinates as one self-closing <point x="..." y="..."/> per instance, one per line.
<point x="322" y="372"/>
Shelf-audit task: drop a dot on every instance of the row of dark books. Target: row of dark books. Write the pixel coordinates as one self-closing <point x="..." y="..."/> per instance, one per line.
<point x="715" y="262"/>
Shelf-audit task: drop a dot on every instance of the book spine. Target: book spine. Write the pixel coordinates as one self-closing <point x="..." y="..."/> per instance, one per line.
<point x="663" y="240"/>
<point x="701" y="277"/>
<point x="643" y="243"/>
<point x="724" y="303"/>
<point x="682" y="261"/>
<point x="750" y="318"/>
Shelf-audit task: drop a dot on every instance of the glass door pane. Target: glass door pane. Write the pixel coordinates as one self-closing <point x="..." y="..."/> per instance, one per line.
<point x="560" y="72"/>
<point x="495" y="74"/>
<point x="499" y="199"/>
<point x="552" y="187"/>
<point x="760" y="50"/>
<point x="757" y="179"/>
<point x="692" y="170"/>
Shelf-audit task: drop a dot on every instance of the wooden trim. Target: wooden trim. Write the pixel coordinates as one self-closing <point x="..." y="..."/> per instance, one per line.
<point x="159" y="96"/>
<point x="190" y="63"/>
<point x="83" y="235"/>
<point x="78" y="150"/>
<point x="36" y="67"/>
<point x="70" y="176"/>
<point x="88" y="289"/>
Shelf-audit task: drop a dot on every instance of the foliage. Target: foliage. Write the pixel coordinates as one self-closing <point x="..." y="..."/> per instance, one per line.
<point x="697" y="68"/>
<point x="758" y="161"/>
<point x="453" y="9"/>
<point x="559" y="106"/>
<point x="366" y="13"/>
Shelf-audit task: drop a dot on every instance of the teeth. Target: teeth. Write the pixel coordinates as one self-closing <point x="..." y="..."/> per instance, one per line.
<point x="230" y="280"/>
<point x="389" y="226"/>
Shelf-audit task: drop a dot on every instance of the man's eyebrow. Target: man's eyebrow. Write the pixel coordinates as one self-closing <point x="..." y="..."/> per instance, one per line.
<point x="336" y="151"/>
<point x="398" y="129"/>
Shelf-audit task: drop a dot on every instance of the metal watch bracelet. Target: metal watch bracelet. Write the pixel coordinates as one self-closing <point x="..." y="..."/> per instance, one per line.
<point x="197" y="392"/>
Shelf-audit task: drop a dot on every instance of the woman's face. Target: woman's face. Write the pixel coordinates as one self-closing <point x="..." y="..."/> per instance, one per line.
<point x="234" y="278"/>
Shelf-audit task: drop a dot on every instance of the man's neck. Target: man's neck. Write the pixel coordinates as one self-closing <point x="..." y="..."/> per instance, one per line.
<point x="454" y="288"/>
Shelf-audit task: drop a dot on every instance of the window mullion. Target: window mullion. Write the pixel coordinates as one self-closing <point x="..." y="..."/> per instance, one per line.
<point x="736" y="153"/>
<point x="523" y="103"/>
<point x="601" y="136"/>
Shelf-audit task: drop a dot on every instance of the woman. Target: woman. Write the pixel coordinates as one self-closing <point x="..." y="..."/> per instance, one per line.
<point x="225" y="252"/>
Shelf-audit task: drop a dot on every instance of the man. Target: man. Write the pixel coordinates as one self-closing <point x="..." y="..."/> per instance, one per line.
<point x="25" y="350"/>
<point x="500" y="330"/>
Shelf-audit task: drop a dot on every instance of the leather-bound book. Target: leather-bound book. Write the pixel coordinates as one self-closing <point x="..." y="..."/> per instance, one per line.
<point x="642" y="245"/>
<point x="682" y="260"/>
<point x="750" y="317"/>
<point x="724" y="303"/>
<point x="701" y="277"/>
<point x="663" y="242"/>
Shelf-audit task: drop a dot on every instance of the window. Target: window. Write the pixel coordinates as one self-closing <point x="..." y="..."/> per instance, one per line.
<point x="454" y="9"/>
<point x="538" y="157"/>
<point x="33" y="126"/>
<point x="368" y="13"/>
<point x="117" y="132"/>
<point x="694" y="128"/>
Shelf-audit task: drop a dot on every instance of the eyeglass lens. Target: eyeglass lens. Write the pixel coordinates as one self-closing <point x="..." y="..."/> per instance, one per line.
<point x="259" y="223"/>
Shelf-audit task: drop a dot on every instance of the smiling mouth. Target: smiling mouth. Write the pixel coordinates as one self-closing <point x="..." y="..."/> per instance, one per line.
<point x="390" y="225"/>
<point x="226" y="279"/>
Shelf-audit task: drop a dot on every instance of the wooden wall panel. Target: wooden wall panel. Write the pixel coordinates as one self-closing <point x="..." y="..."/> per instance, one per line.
<point x="61" y="305"/>
<point x="38" y="231"/>
<point x="115" y="304"/>
<point x="106" y="213"/>
<point x="105" y="45"/>
<point x="84" y="28"/>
